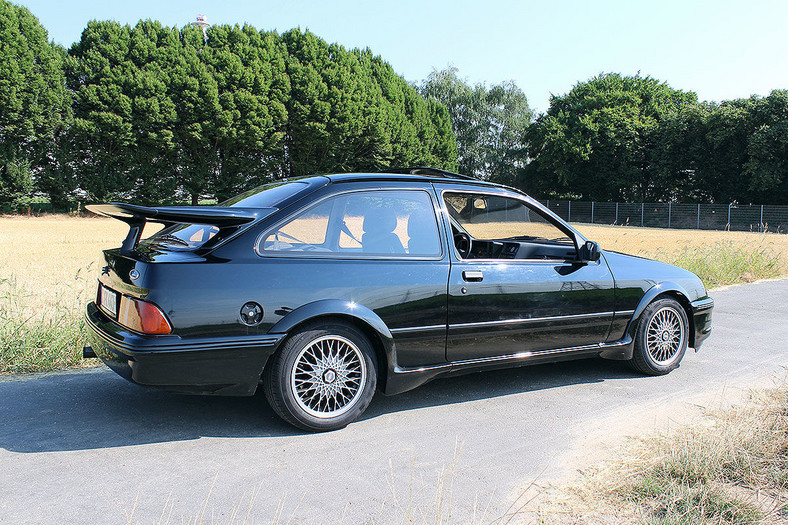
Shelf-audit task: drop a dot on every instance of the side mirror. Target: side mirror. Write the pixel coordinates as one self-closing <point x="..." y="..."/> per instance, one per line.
<point x="590" y="252"/>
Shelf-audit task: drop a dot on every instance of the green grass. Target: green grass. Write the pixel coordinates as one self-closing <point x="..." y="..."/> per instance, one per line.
<point x="727" y="262"/>
<point x="36" y="339"/>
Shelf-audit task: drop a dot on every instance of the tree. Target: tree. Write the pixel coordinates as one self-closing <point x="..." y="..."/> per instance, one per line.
<point x="766" y="168"/>
<point x="489" y="124"/>
<point x="249" y="70"/>
<point x="349" y="111"/>
<point x="123" y="114"/>
<point x="596" y="142"/>
<point x="162" y="113"/>
<point x="34" y="103"/>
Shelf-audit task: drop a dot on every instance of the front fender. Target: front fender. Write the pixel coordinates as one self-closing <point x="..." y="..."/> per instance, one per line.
<point x="666" y="287"/>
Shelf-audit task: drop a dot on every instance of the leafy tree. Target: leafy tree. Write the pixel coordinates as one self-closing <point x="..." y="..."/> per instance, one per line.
<point x="249" y="70"/>
<point x="734" y="151"/>
<point x="34" y="103"/>
<point x="123" y="128"/>
<point x="349" y="111"/>
<point x="489" y="123"/>
<point x="597" y="141"/>
<point x="766" y="168"/>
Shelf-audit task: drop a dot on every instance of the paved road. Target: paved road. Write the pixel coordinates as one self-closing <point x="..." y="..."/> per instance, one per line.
<point x="88" y="447"/>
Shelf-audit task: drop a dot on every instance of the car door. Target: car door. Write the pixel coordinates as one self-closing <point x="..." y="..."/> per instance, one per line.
<point x="515" y="284"/>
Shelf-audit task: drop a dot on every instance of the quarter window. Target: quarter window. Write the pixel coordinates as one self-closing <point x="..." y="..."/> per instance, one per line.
<point x="399" y="223"/>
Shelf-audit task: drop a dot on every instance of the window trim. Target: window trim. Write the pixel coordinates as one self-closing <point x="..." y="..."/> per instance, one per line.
<point x="353" y="256"/>
<point x="526" y="201"/>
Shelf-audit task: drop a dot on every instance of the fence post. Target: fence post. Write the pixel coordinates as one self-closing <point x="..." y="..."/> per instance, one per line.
<point x="698" y="226"/>
<point x="616" y="220"/>
<point x="669" y="209"/>
<point x="729" y="217"/>
<point x="760" y="225"/>
<point x="592" y="212"/>
<point x="642" y="213"/>
<point x="568" y="211"/>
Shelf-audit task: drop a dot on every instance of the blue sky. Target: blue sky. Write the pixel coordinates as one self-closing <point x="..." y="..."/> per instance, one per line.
<point x="720" y="49"/>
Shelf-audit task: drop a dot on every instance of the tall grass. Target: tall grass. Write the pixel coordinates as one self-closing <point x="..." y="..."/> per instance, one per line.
<point x="729" y="468"/>
<point x="36" y="336"/>
<point x="726" y="262"/>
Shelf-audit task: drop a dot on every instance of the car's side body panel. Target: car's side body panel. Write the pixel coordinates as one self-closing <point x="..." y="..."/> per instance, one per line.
<point x="521" y="306"/>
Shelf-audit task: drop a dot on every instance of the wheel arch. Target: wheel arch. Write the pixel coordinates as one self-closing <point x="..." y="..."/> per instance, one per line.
<point x="355" y="314"/>
<point x="661" y="290"/>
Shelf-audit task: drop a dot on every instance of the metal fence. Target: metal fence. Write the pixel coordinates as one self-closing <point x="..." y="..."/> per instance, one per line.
<point x="736" y="217"/>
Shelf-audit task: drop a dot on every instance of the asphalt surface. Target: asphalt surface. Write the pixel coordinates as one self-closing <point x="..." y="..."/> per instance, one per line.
<point x="88" y="447"/>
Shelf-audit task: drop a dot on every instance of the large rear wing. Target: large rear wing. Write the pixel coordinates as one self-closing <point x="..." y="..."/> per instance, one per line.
<point x="136" y="217"/>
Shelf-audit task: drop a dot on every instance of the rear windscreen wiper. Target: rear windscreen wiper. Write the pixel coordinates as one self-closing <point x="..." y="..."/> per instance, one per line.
<point x="168" y="238"/>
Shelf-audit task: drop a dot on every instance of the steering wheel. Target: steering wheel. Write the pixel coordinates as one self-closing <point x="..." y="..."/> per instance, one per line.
<point x="462" y="241"/>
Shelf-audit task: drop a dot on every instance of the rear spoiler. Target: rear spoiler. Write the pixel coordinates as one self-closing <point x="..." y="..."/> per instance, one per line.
<point x="136" y="217"/>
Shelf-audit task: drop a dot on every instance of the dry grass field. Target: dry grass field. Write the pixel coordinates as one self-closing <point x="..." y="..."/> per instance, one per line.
<point x="729" y="466"/>
<point x="652" y="241"/>
<point x="48" y="270"/>
<point x="49" y="265"/>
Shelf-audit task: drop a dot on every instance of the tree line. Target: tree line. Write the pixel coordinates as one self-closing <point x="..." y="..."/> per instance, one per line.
<point x="621" y="138"/>
<point x="158" y="114"/>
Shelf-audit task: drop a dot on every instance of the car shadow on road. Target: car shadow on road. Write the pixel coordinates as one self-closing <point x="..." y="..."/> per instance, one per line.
<point x="490" y="384"/>
<point x="97" y="409"/>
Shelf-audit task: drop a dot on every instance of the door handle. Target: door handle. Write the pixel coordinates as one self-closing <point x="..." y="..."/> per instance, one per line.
<point x="472" y="276"/>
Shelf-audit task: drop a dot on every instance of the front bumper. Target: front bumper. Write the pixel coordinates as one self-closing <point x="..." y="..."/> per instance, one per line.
<point x="701" y="314"/>
<point x="216" y="366"/>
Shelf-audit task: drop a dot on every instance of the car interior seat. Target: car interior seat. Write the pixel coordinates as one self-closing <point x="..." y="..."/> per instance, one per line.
<point x="379" y="237"/>
<point x="423" y="234"/>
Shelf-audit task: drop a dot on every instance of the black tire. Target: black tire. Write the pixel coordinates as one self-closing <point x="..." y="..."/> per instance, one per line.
<point x="323" y="377"/>
<point x="661" y="338"/>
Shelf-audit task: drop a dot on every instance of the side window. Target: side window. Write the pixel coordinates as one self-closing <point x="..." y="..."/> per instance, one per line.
<point x="362" y="223"/>
<point x="306" y="232"/>
<point x="502" y="227"/>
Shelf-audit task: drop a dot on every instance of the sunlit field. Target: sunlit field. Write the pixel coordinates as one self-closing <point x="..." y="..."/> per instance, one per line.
<point x="49" y="266"/>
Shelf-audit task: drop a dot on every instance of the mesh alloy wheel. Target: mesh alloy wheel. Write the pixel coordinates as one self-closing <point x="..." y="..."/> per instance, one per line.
<point x="328" y="377"/>
<point x="665" y="335"/>
<point x="661" y="338"/>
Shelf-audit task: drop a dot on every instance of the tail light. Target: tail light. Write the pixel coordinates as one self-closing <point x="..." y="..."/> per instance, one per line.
<point x="143" y="317"/>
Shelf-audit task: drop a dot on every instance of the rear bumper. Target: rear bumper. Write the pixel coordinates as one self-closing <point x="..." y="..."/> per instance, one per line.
<point x="701" y="314"/>
<point x="201" y="366"/>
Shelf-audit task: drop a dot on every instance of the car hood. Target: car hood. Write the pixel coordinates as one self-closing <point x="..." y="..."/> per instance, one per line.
<point x="633" y="268"/>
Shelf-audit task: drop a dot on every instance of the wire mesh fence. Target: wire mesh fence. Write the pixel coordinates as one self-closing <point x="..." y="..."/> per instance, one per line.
<point x="736" y="217"/>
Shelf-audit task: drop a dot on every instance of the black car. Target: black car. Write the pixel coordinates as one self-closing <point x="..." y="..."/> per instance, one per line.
<point x="323" y="289"/>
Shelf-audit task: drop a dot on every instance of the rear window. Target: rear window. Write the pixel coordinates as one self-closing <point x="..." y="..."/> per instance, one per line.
<point x="193" y="236"/>
<point x="183" y="236"/>
<point x="266" y="196"/>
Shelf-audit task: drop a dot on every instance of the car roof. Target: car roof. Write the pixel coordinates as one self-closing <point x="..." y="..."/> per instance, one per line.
<point x="411" y="175"/>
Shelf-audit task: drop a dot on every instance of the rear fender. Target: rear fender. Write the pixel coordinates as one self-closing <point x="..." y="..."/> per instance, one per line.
<point x="368" y="320"/>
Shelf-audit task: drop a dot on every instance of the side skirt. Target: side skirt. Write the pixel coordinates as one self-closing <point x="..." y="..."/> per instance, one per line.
<point x="403" y="379"/>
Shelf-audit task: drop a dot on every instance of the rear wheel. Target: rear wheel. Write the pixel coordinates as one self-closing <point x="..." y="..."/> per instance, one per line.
<point x="661" y="339"/>
<point x="323" y="377"/>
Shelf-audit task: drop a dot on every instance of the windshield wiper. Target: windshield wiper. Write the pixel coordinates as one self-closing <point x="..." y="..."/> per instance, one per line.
<point x="168" y="239"/>
<point x="524" y="238"/>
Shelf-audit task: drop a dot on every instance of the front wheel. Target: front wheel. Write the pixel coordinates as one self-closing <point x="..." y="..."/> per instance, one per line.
<point x="323" y="377"/>
<point x="661" y="339"/>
